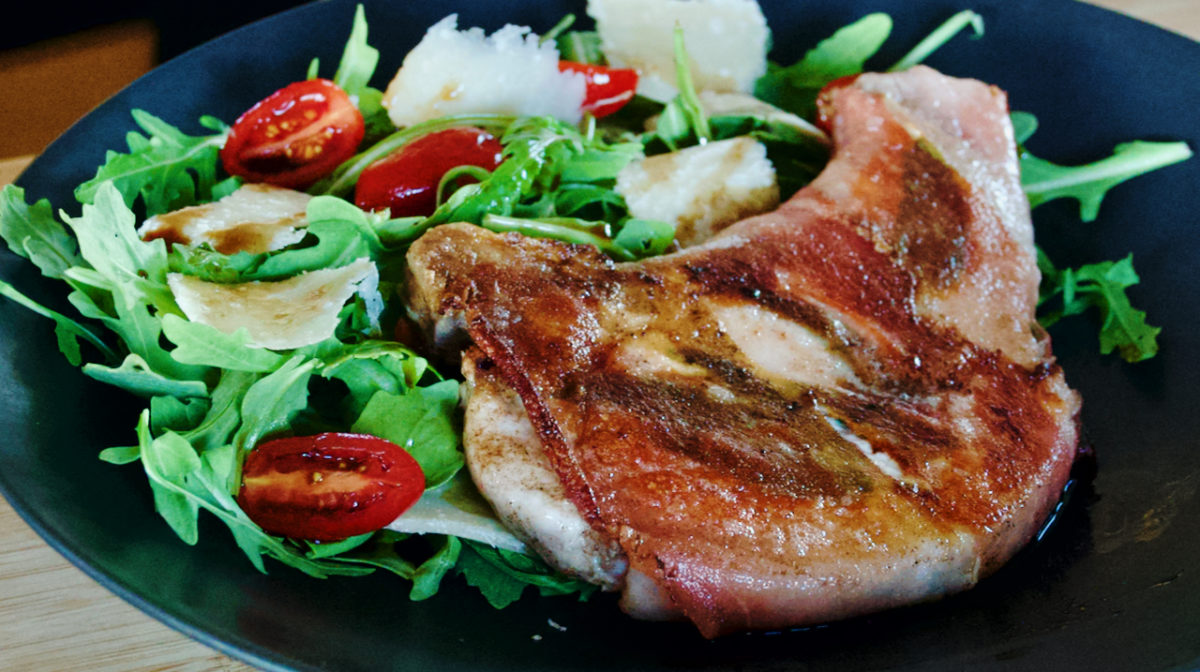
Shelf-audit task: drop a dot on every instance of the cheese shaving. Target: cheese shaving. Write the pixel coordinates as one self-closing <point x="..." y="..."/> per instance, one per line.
<point x="282" y="315"/>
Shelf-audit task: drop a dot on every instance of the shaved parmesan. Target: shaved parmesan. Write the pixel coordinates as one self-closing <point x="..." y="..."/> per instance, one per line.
<point x="726" y="42"/>
<point x="456" y="508"/>
<point x="465" y="72"/>
<point x="701" y="189"/>
<point x="282" y="315"/>
<point x="256" y="218"/>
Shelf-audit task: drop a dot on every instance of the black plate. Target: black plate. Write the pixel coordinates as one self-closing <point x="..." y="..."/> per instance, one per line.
<point x="1112" y="586"/>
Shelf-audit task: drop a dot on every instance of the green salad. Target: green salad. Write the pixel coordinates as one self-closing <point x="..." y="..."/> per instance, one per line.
<point x="216" y="395"/>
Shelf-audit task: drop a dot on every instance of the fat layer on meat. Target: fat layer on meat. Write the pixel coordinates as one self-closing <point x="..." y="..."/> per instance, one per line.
<point x="838" y="407"/>
<point x="507" y="462"/>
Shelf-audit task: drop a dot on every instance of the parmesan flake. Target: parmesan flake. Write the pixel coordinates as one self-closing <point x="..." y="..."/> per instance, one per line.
<point x="280" y="315"/>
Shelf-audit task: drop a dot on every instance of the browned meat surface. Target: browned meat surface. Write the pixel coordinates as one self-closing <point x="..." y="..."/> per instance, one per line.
<point x="841" y="406"/>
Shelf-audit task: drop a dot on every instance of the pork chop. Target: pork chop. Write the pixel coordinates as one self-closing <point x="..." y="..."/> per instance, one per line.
<point x="841" y="406"/>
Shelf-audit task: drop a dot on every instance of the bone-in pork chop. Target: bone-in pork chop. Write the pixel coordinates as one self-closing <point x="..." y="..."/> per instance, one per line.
<point x="838" y="407"/>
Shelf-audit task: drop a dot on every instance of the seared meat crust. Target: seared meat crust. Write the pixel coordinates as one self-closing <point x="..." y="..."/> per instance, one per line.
<point x="838" y="407"/>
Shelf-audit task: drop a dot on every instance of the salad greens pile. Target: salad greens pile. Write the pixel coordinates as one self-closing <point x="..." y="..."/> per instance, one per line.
<point x="211" y="397"/>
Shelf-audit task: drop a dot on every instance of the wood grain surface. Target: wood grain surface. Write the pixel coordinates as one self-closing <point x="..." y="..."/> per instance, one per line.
<point x="55" y="618"/>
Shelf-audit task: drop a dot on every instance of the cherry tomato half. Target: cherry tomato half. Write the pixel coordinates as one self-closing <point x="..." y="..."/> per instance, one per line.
<point x="294" y="136"/>
<point x="328" y="487"/>
<point x="406" y="180"/>
<point x="608" y="89"/>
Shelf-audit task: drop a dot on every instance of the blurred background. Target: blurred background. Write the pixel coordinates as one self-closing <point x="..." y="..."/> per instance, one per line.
<point x="57" y="61"/>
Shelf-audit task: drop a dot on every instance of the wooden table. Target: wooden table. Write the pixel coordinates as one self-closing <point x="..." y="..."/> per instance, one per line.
<point x="55" y="618"/>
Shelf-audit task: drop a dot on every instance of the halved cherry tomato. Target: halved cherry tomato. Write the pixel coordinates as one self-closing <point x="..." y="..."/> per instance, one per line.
<point x="406" y="180"/>
<point x="328" y="487"/>
<point x="294" y="136"/>
<point x="608" y="89"/>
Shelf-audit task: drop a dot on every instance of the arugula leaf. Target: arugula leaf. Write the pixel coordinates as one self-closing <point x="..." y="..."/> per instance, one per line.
<point x="588" y="202"/>
<point x="125" y="287"/>
<point x="32" y="232"/>
<point x="141" y="331"/>
<point x="795" y="87"/>
<point x="180" y="415"/>
<point x="207" y="346"/>
<point x="682" y="121"/>
<point x="223" y="415"/>
<point x="67" y="330"/>
<point x="136" y="376"/>
<point x="1024" y="125"/>
<point x="354" y="72"/>
<point x="645" y="237"/>
<point x="401" y="362"/>
<point x="1102" y="286"/>
<point x="329" y="549"/>
<point x="427" y="579"/>
<point x="502" y="576"/>
<point x="379" y="551"/>
<point x="941" y="35"/>
<point x="586" y="185"/>
<point x="271" y="402"/>
<point x="1044" y="181"/>
<point x="845" y="53"/>
<point x="686" y="101"/>
<point x="108" y="242"/>
<point x="167" y="168"/>
<point x="94" y="299"/>
<point x="566" y="229"/>
<point x="371" y="367"/>
<point x="498" y="587"/>
<point x="557" y="30"/>
<point x="377" y="124"/>
<point x="581" y="46"/>
<point x="211" y="266"/>
<point x="168" y="461"/>
<point x="359" y="59"/>
<point x="598" y="163"/>
<point x="344" y="234"/>
<point x="422" y="422"/>
<point x="121" y="455"/>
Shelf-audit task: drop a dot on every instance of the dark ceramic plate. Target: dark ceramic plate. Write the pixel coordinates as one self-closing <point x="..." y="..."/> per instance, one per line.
<point x="1113" y="585"/>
